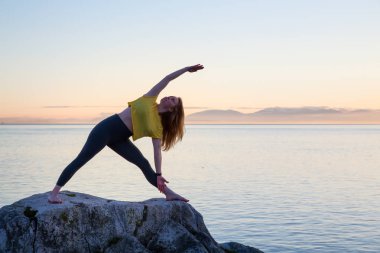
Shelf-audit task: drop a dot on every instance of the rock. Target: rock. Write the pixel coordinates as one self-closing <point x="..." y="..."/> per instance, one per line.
<point x="231" y="247"/>
<point x="85" y="223"/>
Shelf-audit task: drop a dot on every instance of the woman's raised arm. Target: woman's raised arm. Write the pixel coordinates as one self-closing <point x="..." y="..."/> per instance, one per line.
<point x="164" y="82"/>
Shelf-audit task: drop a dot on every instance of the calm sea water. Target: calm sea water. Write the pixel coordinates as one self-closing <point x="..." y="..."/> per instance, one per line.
<point x="280" y="188"/>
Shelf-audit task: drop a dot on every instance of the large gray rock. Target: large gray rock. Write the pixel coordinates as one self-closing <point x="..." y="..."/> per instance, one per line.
<point x="84" y="223"/>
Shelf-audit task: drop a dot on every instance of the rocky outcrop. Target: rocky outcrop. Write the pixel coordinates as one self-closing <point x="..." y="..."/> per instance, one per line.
<point x="84" y="223"/>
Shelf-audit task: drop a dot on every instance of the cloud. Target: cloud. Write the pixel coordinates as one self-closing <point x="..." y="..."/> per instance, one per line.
<point x="109" y="106"/>
<point x="39" y="120"/>
<point x="195" y="107"/>
<point x="79" y="106"/>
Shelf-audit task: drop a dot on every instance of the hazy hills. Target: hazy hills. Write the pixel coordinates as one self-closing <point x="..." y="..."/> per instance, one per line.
<point x="283" y="115"/>
<point x="273" y="115"/>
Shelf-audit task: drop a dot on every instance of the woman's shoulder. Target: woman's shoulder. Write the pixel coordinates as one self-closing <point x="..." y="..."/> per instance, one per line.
<point x="145" y="96"/>
<point x="143" y="100"/>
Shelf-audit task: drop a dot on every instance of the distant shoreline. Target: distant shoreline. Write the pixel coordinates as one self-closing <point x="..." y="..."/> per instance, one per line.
<point x="200" y="124"/>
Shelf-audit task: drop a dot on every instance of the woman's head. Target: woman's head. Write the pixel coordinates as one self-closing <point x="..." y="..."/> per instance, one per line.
<point x="169" y="103"/>
<point x="172" y="120"/>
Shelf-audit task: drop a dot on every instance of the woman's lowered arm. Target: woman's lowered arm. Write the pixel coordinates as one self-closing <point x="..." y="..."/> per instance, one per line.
<point x="157" y="162"/>
<point x="164" y="82"/>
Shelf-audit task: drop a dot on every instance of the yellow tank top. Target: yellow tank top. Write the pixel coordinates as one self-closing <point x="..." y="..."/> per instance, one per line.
<point x="145" y="118"/>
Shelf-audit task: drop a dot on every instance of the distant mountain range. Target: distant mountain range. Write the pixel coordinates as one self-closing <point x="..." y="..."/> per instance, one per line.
<point x="273" y="115"/>
<point x="284" y="115"/>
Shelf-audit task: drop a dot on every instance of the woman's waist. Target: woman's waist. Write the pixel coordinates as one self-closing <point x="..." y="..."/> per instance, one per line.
<point x="125" y="117"/>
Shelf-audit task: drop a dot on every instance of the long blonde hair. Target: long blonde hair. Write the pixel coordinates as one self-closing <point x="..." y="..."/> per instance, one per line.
<point x="173" y="126"/>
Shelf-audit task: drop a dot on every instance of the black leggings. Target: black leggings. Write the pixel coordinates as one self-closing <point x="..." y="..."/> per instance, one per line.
<point x="114" y="133"/>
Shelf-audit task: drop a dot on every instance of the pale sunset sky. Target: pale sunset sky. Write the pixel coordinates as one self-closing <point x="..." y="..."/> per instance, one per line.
<point x="80" y="61"/>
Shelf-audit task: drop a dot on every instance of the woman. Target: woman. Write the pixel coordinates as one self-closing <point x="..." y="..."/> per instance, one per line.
<point x="163" y="122"/>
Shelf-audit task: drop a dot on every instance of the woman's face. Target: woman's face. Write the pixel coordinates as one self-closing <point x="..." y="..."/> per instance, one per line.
<point x="169" y="102"/>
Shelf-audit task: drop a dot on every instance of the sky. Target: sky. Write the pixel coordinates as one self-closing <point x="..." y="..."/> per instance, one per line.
<point x="80" y="61"/>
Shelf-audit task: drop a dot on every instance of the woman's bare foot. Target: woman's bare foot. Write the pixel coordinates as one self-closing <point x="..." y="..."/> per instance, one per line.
<point x="170" y="195"/>
<point x="54" y="199"/>
<point x="53" y="196"/>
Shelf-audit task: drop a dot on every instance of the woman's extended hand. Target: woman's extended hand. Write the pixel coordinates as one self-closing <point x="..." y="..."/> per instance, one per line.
<point x="161" y="183"/>
<point x="195" y="68"/>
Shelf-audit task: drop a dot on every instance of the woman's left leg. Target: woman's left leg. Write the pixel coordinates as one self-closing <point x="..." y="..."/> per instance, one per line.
<point x="132" y="154"/>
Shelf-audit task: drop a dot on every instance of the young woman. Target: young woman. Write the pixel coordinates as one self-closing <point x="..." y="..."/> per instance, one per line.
<point x="163" y="122"/>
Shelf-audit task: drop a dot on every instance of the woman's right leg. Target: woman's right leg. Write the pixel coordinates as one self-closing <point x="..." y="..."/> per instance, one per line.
<point x="96" y="141"/>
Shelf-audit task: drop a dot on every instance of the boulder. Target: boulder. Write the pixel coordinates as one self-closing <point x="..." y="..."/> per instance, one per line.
<point x="85" y="223"/>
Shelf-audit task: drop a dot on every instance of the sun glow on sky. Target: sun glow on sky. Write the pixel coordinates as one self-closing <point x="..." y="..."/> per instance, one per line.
<point x="79" y="61"/>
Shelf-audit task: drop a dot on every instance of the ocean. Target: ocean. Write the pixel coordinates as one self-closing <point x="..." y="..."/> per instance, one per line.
<point x="279" y="188"/>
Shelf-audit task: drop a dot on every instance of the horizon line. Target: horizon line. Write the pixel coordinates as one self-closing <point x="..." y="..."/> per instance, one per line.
<point x="87" y="124"/>
<point x="210" y="108"/>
